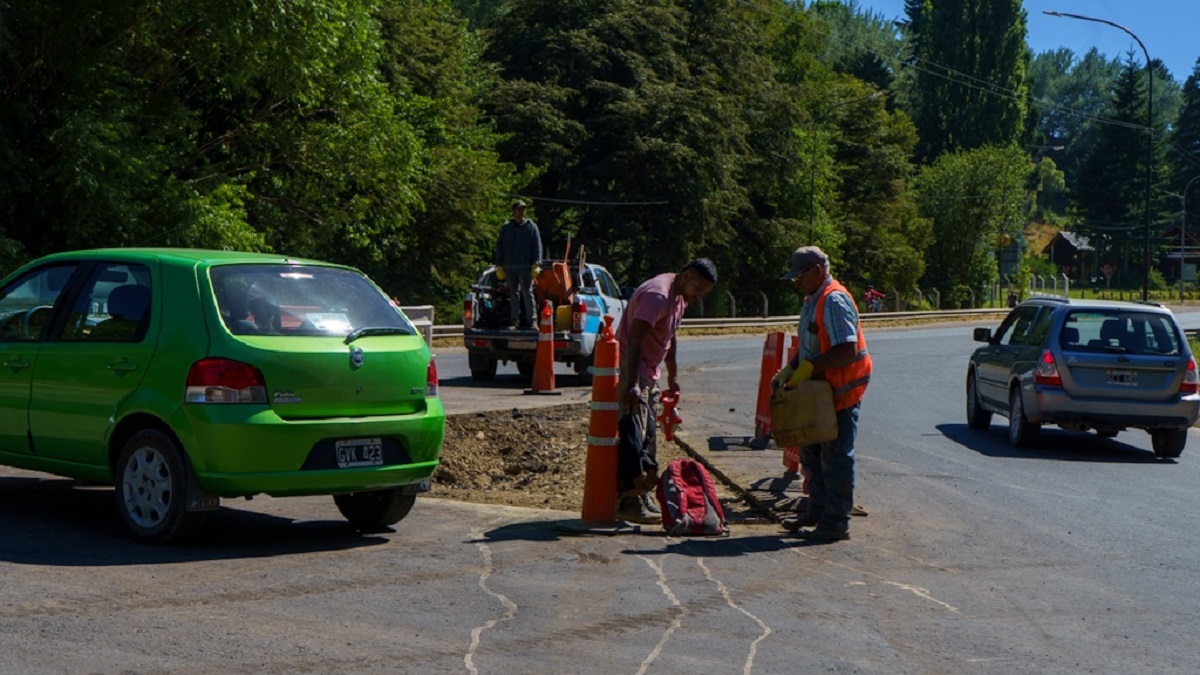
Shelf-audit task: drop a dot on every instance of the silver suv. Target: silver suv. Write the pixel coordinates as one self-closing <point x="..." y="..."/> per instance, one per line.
<point x="1086" y="364"/>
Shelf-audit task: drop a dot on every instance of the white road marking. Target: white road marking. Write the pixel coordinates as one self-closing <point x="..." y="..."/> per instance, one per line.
<point x="662" y="583"/>
<point x="749" y="667"/>
<point x="476" y="632"/>
<point x="924" y="593"/>
<point x="916" y="590"/>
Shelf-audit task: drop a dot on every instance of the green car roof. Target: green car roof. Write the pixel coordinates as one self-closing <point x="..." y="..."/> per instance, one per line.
<point x="187" y="256"/>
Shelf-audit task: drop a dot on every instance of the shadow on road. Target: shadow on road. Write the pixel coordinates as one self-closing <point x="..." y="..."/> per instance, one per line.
<point x="1053" y="443"/>
<point x="511" y="381"/>
<point x="729" y="443"/>
<point x="54" y="522"/>
<point x="717" y="547"/>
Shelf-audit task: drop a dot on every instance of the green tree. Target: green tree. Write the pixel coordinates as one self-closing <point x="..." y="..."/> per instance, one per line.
<point x="636" y="111"/>
<point x="1184" y="143"/>
<point x="1068" y="95"/>
<point x="859" y="42"/>
<point x="970" y="57"/>
<point x="433" y="67"/>
<point x="976" y="200"/>
<point x="203" y="123"/>
<point x="1049" y="185"/>
<point x="1111" y="191"/>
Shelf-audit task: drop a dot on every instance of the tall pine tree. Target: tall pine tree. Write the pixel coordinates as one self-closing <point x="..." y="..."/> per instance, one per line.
<point x="1111" y="190"/>
<point x="1184" y="155"/>
<point x="970" y="57"/>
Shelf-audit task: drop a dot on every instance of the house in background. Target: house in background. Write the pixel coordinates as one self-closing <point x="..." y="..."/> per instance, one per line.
<point x="1073" y="256"/>
<point x="1169" y="261"/>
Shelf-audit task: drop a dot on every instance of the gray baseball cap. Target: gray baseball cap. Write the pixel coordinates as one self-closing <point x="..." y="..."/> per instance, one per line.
<point x="804" y="258"/>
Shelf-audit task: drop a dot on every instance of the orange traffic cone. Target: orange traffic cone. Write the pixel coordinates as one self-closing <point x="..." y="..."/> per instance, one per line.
<point x="772" y="353"/>
<point x="600" y="478"/>
<point x="543" y="365"/>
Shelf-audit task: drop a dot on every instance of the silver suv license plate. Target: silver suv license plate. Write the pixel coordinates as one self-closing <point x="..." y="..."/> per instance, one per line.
<point x="1124" y="378"/>
<point x="359" y="452"/>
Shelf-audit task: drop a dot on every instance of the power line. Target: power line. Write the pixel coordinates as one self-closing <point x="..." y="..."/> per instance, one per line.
<point x="958" y="77"/>
<point x="581" y="202"/>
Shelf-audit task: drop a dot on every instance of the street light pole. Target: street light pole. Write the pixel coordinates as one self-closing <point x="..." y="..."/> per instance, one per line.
<point x="1149" y="136"/>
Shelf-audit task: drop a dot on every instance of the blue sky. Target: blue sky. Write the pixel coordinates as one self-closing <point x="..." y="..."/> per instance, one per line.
<point x="1170" y="29"/>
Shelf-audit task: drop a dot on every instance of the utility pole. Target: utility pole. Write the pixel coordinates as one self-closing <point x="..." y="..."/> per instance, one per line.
<point x="1149" y="137"/>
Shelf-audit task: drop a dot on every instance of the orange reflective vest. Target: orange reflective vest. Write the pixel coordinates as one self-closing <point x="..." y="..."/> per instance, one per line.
<point x="850" y="381"/>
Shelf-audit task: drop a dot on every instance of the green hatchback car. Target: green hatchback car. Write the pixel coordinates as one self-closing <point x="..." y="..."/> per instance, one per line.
<point x="183" y="376"/>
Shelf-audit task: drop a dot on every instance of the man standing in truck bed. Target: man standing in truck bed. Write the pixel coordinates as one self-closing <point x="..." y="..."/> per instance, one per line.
<point x="647" y="339"/>
<point x="518" y="251"/>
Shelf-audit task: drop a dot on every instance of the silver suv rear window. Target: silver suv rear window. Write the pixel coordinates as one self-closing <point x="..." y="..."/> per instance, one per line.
<point x="1126" y="332"/>
<point x="301" y="300"/>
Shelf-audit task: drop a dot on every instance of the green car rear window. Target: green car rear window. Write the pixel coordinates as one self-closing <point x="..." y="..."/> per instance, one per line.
<point x="1121" y="331"/>
<point x="301" y="300"/>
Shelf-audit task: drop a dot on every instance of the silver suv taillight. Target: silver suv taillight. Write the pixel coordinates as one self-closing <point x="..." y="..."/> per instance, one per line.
<point x="1191" y="383"/>
<point x="1046" y="373"/>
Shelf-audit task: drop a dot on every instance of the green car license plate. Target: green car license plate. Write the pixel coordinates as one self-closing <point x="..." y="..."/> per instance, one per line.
<point x="359" y="452"/>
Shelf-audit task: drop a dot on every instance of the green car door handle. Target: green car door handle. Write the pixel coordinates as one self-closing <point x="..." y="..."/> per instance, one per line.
<point x="17" y="363"/>
<point x="122" y="364"/>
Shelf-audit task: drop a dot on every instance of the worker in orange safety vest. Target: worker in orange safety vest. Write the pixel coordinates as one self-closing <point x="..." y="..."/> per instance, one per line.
<point x="832" y="348"/>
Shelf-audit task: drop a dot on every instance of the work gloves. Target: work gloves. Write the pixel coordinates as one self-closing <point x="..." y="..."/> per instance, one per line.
<point x="534" y="271"/>
<point x="499" y="273"/>
<point x="789" y="377"/>
<point x="782" y="377"/>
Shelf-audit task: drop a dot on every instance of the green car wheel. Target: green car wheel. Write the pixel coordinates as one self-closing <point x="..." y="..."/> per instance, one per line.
<point x="151" y="489"/>
<point x="376" y="509"/>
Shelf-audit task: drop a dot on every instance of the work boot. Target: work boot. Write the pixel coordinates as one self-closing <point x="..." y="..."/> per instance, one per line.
<point x="825" y="533"/>
<point x="633" y="509"/>
<point x="650" y="504"/>
<point x="802" y="520"/>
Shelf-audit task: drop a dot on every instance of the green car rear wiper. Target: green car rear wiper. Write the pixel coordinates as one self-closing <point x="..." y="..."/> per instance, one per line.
<point x="377" y="330"/>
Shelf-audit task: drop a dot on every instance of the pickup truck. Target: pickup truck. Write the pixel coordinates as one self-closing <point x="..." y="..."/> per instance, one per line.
<point x="580" y="292"/>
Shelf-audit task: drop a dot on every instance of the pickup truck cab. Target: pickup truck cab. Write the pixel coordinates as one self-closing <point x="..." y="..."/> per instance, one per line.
<point x="581" y="293"/>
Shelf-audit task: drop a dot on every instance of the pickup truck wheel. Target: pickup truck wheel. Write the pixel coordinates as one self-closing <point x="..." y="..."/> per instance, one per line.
<point x="583" y="369"/>
<point x="525" y="369"/>
<point x="483" y="369"/>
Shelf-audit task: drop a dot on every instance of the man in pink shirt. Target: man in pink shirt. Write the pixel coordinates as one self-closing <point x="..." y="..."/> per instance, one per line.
<point x="647" y="339"/>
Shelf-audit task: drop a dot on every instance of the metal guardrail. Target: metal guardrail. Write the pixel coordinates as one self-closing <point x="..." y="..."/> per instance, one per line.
<point x="716" y="323"/>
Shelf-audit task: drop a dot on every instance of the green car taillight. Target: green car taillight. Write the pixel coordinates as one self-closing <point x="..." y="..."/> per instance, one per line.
<point x="431" y="379"/>
<point x="225" y="381"/>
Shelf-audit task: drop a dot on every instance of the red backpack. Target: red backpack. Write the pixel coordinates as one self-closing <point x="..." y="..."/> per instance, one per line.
<point x="688" y="500"/>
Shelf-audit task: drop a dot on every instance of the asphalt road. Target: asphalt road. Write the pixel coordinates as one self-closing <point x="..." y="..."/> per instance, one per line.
<point x="975" y="558"/>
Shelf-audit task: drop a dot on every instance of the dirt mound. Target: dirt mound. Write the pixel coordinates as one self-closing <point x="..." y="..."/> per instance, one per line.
<point x="521" y="457"/>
